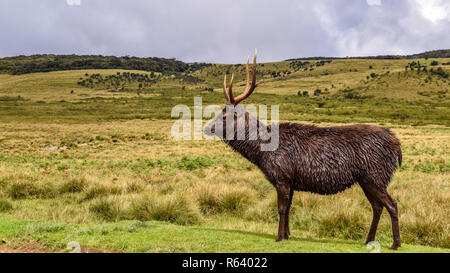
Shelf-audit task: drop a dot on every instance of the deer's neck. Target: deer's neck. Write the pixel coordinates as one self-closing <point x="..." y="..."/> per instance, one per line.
<point x="250" y="149"/>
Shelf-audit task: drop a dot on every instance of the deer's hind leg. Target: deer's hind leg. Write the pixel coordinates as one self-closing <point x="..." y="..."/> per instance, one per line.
<point x="382" y="197"/>
<point x="377" y="209"/>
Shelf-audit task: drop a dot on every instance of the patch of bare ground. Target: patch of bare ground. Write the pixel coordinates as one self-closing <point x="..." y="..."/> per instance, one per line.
<point x="30" y="247"/>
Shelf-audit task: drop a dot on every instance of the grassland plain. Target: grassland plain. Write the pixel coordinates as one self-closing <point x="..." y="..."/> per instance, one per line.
<point x="99" y="166"/>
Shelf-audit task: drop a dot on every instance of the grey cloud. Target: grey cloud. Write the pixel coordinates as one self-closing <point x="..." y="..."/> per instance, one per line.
<point x="217" y="31"/>
<point x="394" y="27"/>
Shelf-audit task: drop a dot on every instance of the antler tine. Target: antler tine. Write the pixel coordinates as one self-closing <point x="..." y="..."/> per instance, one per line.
<point x="249" y="88"/>
<point x="254" y="70"/>
<point x="247" y="74"/>
<point x="225" y="92"/>
<point x="230" y="90"/>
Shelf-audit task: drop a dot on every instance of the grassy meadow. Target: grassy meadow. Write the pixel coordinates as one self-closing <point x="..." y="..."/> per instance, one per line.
<point x="98" y="165"/>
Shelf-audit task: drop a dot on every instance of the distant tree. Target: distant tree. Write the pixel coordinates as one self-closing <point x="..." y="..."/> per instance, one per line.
<point x="46" y="63"/>
<point x="434" y="63"/>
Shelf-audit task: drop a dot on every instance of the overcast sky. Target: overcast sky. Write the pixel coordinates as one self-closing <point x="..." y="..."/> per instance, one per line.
<point x="223" y="31"/>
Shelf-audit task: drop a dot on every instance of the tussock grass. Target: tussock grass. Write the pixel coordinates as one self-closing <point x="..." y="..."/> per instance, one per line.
<point x="343" y="225"/>
<point x="100" y="189"/>
<point x="72" y="185"/>
<point x="23" y="189"/>
<point x="111" y="208"/>
<point x="266" y="210"/>
<point x="134" y="186"/>
<point x="222" y="198"/>
<point x="5" y="205"/>
<point x="174" y="208"/>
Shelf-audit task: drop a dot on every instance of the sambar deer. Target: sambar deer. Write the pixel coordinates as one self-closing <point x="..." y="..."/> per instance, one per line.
<point x="322" y="160"/>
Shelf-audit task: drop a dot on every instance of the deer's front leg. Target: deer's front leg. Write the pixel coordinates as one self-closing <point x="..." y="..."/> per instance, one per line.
<point x="283" y="194"/>
<point x="291" y="195"/>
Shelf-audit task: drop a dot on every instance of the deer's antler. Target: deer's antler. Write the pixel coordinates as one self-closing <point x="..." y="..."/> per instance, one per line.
<point x="249" y="87"/>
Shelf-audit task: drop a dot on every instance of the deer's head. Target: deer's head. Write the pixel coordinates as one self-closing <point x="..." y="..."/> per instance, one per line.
<point x="226" y="124"/>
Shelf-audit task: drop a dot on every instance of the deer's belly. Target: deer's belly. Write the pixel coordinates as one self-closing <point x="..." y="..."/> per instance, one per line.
<point x="324" y="183"/>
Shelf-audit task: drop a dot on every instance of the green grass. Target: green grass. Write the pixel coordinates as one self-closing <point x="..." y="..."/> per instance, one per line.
<point x="152" y="236"/>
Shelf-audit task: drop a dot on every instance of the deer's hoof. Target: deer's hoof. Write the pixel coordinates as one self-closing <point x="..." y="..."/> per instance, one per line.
<point x="282" y="237"/>
<point x="395" y="246"/>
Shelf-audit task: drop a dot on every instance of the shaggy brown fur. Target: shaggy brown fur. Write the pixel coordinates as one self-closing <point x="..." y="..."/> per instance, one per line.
<point x="322" y="160"/>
